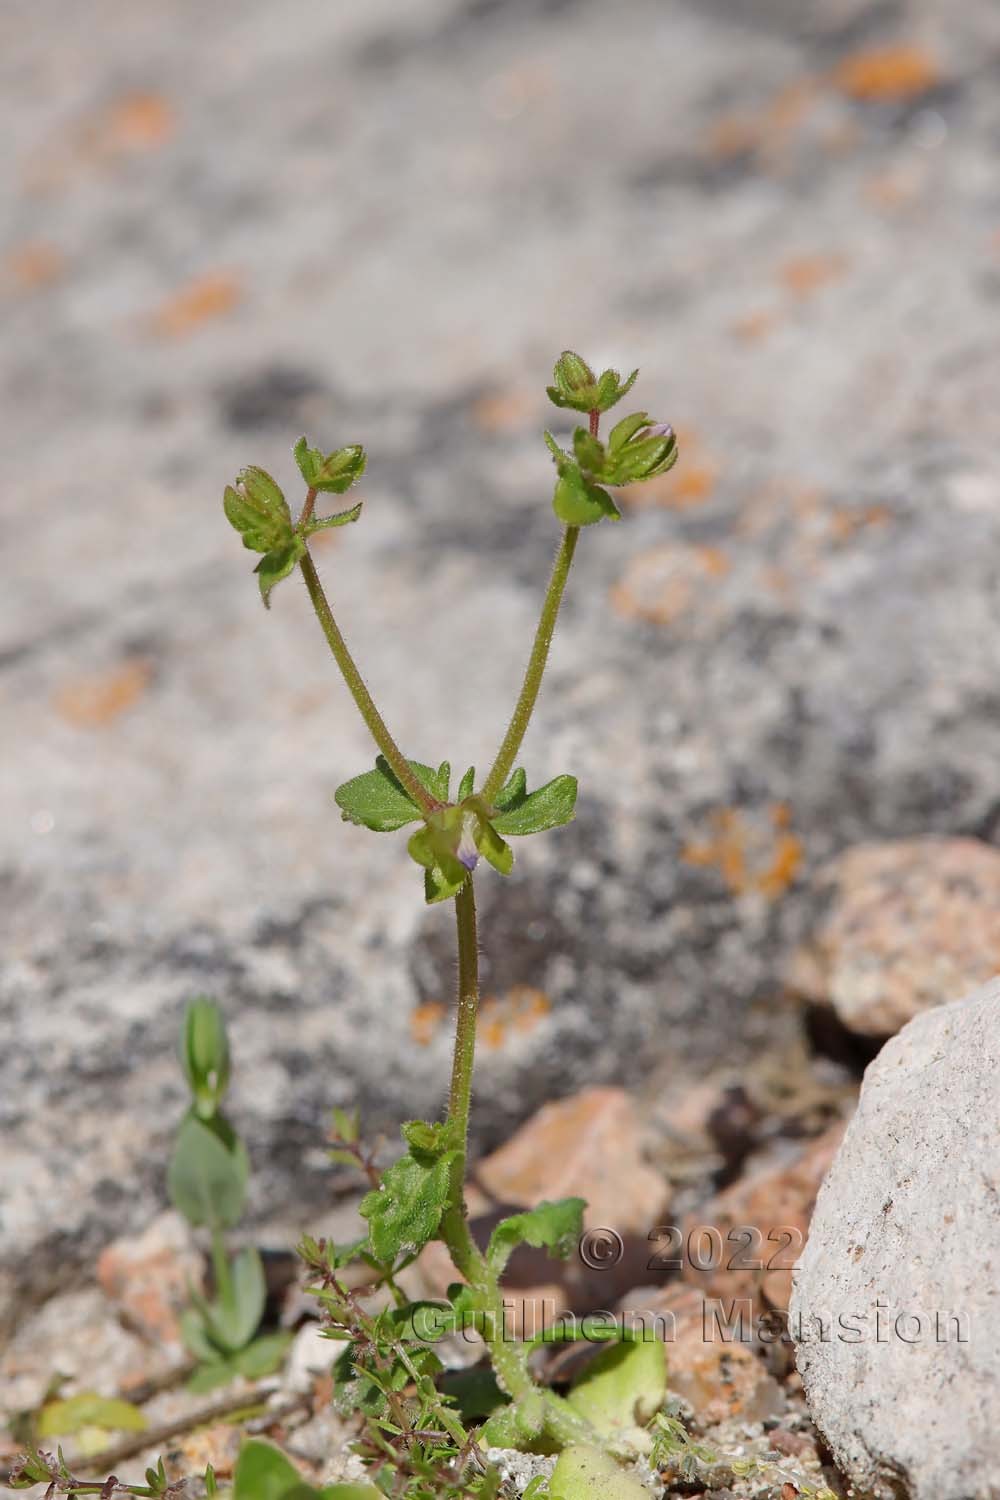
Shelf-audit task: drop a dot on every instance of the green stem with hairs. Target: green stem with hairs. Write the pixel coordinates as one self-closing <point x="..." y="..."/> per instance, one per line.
<point x="509" y="1357"/>
<point x="525" y="707"/>
<point x="359" y="691"/>
<point x="521" y="717"/>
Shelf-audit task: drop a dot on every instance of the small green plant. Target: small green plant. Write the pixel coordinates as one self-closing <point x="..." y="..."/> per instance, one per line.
<point x="388" y="1371"/>
<point x="425" y="1434"/>
<point x="207" y="1181"/>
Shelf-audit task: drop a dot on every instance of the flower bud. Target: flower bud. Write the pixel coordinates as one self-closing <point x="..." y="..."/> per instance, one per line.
<point x="204" y="1053"/>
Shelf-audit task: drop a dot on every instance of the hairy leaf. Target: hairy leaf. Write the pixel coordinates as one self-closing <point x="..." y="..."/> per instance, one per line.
<point x="555" y="1227"/>
<point x="550" y="806"/>
<point x="376" y="800"/>
<point x="334" y="472"/>
<point x="578" y="502"/>
<point x="404" y="1213"/>
<point x="342" y="518"/>
<point x="277" y="564"/>
<point x="258" y="510"/>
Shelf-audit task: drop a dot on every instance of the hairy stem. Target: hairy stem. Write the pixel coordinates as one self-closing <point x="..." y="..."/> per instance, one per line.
<point x="521" y="717"/>
<point x="509" y="1357"/>
<point x="359" y="691"/>
<point x="455" y="1228"/>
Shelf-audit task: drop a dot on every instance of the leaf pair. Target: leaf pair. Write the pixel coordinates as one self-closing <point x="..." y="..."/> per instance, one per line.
<point x="454" y="837"/>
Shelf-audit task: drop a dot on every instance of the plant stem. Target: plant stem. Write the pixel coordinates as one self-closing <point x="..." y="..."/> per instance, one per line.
<point x="524" y="708"/>
<point x="359" y="691"/>
<point x="455" y="1228"/>
<point x="509" y="1358"/>
<point x="468" y="1005"/>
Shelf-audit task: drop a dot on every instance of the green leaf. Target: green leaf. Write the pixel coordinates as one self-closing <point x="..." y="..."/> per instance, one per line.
<point x="277" y="564"/>
<point x="430" y="1139"/>
<point x="467" y="784"/>
<point x="210" y="1375"/>
<point x="513" y="793"/>
<point x="350" y="1492"/>
<point x="585" y="1473"/>
<point x="333" y="473"/>
<point x="493" y="849"/>
<point x="376" y="800"/>
<point x="206" y="1178"/>
<point x="589" y="451"/>
<point x="342" y="518"/>
<point x="405" y="1212"/>
<point x="622" y="1387"/>
<point x="441" y="887"/>
<point x="236" y="1317"/>
<point x="196" y="1336"/>
<point x="624" y="431"/>
<point x="87" y="1409"/>
<point x="550" y="806"/>
<point x="611" y="388"/>
<point x="578" y="502"/>
<point x="258" y="510"/>
<point x="263" y="1356"/>
<point x="264" y="1473"/>
<point x="555" y="1227"/>
<point x="433" y="847"/>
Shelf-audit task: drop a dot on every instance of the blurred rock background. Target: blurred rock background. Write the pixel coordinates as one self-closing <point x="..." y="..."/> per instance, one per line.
<point x="226" y="226"/>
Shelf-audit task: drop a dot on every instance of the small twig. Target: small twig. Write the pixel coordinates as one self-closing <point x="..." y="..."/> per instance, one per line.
<point x="138" y="1442"/>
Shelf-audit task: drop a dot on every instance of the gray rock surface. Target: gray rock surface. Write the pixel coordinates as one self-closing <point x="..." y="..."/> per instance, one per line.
<point x="896" y="1310"/>
<point x="226" y="226"/>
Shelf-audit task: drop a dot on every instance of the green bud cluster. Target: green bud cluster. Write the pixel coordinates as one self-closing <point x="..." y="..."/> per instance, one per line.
<point x="258" y="510"/>
<point x="636" y="449"/>
<point x="575" y="385"/>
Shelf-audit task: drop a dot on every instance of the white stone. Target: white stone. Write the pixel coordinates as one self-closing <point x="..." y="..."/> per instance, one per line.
<point x="896" y="1309"/>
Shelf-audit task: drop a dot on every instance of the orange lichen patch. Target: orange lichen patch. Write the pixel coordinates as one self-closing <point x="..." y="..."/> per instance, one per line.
<point x="425" y="1021"/>
<point x="661" y="584"/>
<point x="890" y="191"/>
<point x="210" y="296"/>
<point x="805" y="274"/>
<point x="503" y="411"/>
<point x="138" y="122"/>
<point x="93" y="702"/>
<point x="747" y="859"/>
<point x="529" y="1006"/>
<point x="766" y="129"/>
<point x="755" y="327"/>
<point x="492" y="1032"/>
<point x="847" y="521"/>
<point x="34" y="265"/>
<point x="732" y="136"/>
<point x="904" y="71"/>
<point x="521" y="1009"/>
